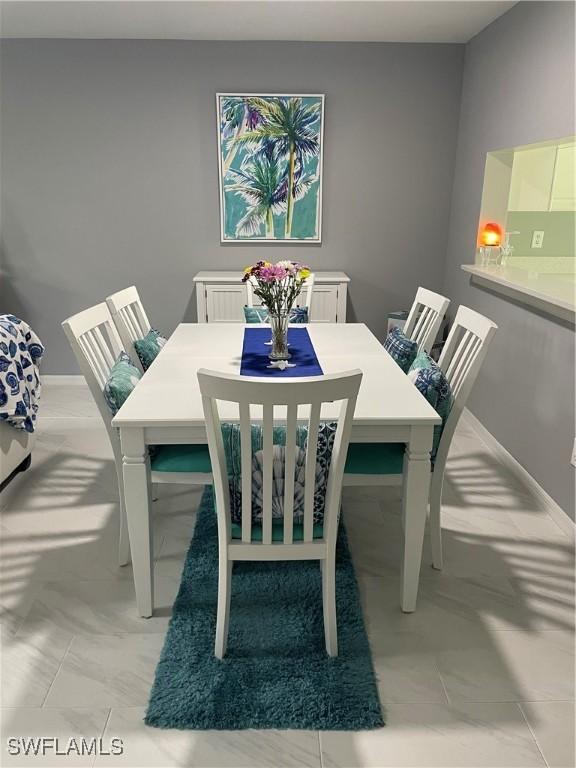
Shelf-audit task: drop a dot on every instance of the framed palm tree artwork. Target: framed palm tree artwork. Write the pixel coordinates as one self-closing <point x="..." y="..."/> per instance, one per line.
<point x="270" y="158"/>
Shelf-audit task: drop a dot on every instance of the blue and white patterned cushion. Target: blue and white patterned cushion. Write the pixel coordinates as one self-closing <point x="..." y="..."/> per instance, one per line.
<point x="20" y="354"/>
<point x="400" y="348"/>
<point x="232" y="450"/>
<point x="299" y="315"/>
<point x="431" y="381"/>
<point x="121" y="380"/>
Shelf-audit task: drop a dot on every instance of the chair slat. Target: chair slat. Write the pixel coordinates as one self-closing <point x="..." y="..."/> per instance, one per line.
<point x="466" y="335"/>
<point x="139" y="319"/>
<point x="420" y="324"/>
<point x="425" y="317"/>
<point x="310" y="472"/>
<point x="430" y="320"/>
<point x="104" y="348"/>
<point x="96" y="356"/>
<point x="427" y="326"/>
<point x="246" y="464"/>
<point x="289" y="469"/>
<point x="101" y="349"/>
<point x="92" y="362"/>
<point x="468" y="362"/>
<point x="125" y="320"/>
<point x="462" y="357"/>
<point x="267" y="447"/>
<point x="127" y="315"/>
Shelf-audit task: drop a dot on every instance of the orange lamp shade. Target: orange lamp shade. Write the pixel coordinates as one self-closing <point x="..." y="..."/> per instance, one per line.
<point x="491" y="234"/>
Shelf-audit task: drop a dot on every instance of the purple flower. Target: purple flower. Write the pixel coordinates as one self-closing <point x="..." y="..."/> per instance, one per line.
<point x="271" y="273"/>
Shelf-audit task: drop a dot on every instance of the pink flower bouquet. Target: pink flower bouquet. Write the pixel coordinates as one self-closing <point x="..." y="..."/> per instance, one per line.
<point x="277" y="285"/>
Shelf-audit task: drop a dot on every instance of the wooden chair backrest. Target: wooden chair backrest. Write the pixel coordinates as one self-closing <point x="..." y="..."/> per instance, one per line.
<point x="130" y="319"/>
<point x="425" y="318"/>
<point x="96" y="345"/>
<point x="461" y="360"/>
<point x="257" y="401"/>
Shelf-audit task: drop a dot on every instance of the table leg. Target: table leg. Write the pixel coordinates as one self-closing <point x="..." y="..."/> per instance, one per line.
<point x="136" y="472"/>
<point x="414" y="508"/>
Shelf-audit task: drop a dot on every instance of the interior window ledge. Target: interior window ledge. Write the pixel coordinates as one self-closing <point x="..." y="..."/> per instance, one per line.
<point x="553" y="294"/>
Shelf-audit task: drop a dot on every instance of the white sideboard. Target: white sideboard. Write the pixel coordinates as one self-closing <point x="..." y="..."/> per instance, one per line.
<point x="221" y="296"/>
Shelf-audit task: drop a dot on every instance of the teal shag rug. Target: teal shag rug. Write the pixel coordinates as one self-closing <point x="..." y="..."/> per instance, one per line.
<point x="276" y="673"/>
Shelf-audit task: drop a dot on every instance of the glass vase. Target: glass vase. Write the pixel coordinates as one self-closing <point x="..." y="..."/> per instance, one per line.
<point x="279" y="326"/>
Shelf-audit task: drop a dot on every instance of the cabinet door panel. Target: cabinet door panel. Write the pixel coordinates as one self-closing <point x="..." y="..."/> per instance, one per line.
<point x="324" y="306"/>
<point x="225" y="303"/>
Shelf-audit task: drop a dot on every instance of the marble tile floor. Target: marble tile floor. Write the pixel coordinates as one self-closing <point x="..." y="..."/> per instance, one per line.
<point x="482" y="674"/>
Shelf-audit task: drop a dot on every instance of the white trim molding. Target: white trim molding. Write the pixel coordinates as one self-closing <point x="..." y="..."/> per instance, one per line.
<point x="552" y="508"/>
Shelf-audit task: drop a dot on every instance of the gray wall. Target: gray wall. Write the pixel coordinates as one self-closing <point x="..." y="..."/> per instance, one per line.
<point x="109" y="178"/>
<point x="109" y="170"/>
<point x="518" y="88"/>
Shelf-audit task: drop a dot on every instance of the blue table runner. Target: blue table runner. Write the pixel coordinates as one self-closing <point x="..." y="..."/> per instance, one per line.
<point x="255" y="360"/>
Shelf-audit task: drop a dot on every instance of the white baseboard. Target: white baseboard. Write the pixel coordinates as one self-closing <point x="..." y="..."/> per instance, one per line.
<point x="558" y="515"/>
<point x="71" y="379"/>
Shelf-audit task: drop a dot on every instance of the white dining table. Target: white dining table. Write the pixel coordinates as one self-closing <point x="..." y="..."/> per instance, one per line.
<point x="166" y="408"/>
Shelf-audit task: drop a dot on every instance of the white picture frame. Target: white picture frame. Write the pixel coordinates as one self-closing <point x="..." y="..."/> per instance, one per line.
<point x="246" y="177"/>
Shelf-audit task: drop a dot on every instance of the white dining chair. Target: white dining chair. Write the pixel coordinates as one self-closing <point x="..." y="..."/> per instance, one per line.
<point x="382" y="463"/>
<point x="425" y="318"/>
<point x="308" y="285"/>
<point x="130" y="319"/>
<point x="258" y="399"/>
<point x="96" y="345"/>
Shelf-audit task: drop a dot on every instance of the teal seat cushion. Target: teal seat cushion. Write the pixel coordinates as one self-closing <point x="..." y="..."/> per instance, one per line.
<point x="278" y="531"/>
<point x="374" y="459"/>
<point x="121" y="380"/>
<point x="148" y="348"/>
<point x="255" y="315"/>
<point x="180" y="458"/>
